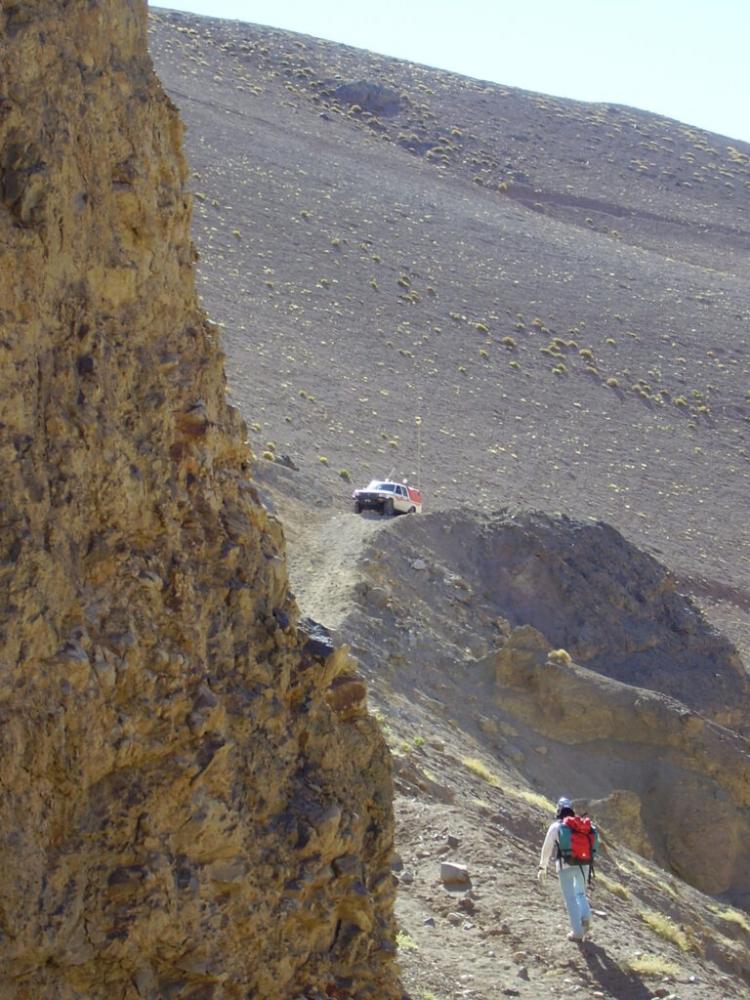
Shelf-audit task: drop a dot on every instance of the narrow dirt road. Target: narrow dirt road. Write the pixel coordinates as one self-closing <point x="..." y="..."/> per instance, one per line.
<point x="323" y="551"/>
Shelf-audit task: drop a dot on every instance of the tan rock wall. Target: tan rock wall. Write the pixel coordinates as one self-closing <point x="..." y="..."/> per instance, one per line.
<point x="690" y="776"/>
<point x="189" y="807"/>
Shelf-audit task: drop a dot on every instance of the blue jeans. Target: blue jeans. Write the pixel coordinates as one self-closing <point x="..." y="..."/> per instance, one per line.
<point x="573" y="889"/>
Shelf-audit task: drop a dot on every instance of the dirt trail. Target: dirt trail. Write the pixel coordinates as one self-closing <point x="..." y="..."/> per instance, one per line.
<point x="323" y="552"/>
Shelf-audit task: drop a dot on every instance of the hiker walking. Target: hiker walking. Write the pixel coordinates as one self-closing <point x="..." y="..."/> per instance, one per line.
<point x="573" y="840"/>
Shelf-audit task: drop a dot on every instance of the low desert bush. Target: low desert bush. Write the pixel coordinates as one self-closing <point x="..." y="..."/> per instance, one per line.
<point x="561" y="657"/>
<point x="481" y="770"/>
<point x="653" y="966"/>
<point x="732" y="916"/>
<point x="533" y="798"/>
<point x="666" y="928"/>
<point x="613" y="887"/>
<point x="404" y="942"/>
<point x="477" y="767"/>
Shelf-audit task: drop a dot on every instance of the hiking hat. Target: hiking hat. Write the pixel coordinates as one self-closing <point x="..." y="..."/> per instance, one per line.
<point x="563" y="803"/>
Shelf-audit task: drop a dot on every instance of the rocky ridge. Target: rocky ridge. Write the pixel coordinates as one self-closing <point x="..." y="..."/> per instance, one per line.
<point x="184" y="808"/>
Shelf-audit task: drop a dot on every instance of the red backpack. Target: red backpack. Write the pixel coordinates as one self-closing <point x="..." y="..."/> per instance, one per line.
<point x="577" y="841"/>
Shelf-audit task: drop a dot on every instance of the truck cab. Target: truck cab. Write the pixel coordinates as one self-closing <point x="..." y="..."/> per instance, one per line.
<point x="388" y="498"/>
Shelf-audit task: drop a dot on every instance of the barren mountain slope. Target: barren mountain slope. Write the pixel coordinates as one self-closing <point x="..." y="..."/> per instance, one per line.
<point x="558" y="290"/>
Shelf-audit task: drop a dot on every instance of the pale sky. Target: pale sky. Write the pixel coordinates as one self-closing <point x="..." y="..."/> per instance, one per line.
<point x="686" y="59"/>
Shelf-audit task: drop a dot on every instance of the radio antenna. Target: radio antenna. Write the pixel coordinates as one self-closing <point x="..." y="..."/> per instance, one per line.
<point x="418" y="421"/>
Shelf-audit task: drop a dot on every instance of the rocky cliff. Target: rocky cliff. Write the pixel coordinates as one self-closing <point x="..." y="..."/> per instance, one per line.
<point x="194" y="800"/>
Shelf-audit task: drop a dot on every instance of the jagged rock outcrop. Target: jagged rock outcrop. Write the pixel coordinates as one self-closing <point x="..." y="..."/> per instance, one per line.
<point x="613" y="607"/>
<point x="616" y="610"/>
<point x="195" y="802"/>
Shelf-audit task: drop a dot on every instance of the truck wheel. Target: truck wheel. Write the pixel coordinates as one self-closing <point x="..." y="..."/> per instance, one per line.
<point x="388" y="508"/>
<point x="357" y="508"/>
<point x="412" y="510"/>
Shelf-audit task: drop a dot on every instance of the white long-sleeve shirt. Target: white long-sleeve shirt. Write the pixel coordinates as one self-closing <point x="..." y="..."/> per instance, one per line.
<point x="549" y="845"/>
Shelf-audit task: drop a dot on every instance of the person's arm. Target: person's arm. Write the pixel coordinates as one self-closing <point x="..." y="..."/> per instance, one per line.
<point x="548" y="846"/>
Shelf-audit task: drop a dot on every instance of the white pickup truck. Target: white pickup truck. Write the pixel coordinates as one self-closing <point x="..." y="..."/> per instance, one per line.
<point x="388" y="497"/>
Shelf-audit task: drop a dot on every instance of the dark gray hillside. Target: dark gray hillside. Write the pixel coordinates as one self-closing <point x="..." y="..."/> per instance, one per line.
<point x="558" y="290"/>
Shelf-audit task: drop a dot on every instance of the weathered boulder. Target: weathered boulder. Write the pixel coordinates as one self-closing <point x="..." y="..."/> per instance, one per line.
<point x="182" y="773"/>
<point x="454" y="874"/>
<point x="369" y="96"/>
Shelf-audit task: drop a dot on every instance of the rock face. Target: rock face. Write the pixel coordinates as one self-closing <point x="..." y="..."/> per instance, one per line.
<point x="195" y="802"/>
<point x="684" y="796"/>
<point x="614" y="608"/>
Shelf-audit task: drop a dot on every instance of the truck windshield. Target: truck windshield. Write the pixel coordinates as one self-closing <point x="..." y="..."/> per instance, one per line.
<point x="386" y="487"/>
